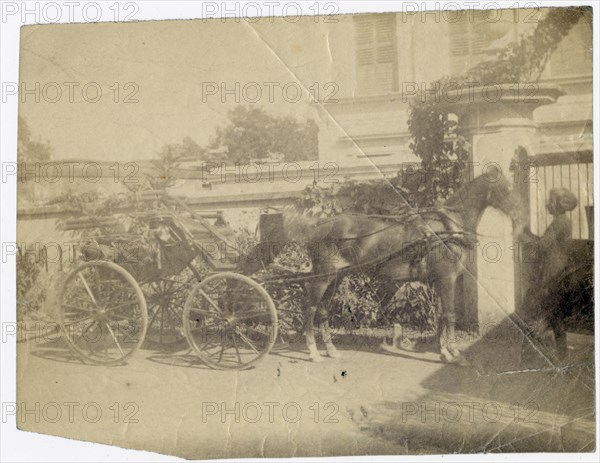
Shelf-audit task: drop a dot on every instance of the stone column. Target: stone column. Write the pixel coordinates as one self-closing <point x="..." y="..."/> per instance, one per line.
<point x="497" y="120"/>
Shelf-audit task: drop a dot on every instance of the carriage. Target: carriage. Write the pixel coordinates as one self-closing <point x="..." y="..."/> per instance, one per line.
<point x="179" y="278"/>
<point x="184" y="276"/>
<point x="146" y="286"/>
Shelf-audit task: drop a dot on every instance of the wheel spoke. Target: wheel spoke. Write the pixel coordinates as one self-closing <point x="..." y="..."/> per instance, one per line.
<point x="74" y="322"/>
<point x="107" y="336"/>
<point x="79" y="300"/>
<point x="168" y="285"/>
<point x="114" y="307"/>
<point x="209" y="313"/>
<point x="162" y="325"/>
<point x="252" y="314"/>
<point x="210" y="301"/>
<point x="79" y="309"/>
<point x="174" y="315"/>
<point x="246" y="340"/>
<point x="221" y="321"/>
<point x="115" y="338"/>
<point x="87" y="288"/>
<point x="122" y="317"/>
<point x="221" y="353"/>
<point x="237" y="351"/>
<point x="154" y="316"/>
<point x="90" y="326"/>
<point x="207" y="344"/>
<point x="197" y="328"/>
<point x="257" y="331"/>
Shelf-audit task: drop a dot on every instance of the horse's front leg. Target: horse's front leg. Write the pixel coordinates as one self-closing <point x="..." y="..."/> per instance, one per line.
<point x="446" y="288"/>
<point x="315" y="292"/>
<point x="309" y="329"/>
<point x="326" y="333"/>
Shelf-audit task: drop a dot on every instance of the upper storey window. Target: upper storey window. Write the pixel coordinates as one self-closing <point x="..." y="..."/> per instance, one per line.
<point x="376" y="53"/>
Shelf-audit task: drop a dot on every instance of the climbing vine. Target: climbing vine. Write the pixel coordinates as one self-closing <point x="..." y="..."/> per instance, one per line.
<point x="436" y="135"/>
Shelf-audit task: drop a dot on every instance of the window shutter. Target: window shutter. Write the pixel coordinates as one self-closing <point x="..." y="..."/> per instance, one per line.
<point x="470" y="38"/>
<point x="376" y="53"/>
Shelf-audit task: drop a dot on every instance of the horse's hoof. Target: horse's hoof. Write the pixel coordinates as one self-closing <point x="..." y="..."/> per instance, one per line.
<point x="460" y="361"/>
<point x="454" y="360"/>
<point x="334" y="354"/>
<point x="446" y="356"/>
<point x="454" y="352"/>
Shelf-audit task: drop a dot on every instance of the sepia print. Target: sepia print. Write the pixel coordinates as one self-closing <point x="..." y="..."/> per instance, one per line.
<point x="296" y="236"/>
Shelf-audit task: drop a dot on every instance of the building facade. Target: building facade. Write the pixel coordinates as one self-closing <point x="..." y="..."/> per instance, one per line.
<point x="395" y="57"/>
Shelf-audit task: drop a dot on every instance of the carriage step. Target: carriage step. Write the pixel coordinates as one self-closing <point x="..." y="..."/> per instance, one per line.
<point x="224" y="267"/>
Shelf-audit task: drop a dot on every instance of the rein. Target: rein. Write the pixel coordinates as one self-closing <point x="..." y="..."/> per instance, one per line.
<point x="400" y="219"/>
<point x="376" y="232"/>
<point x="443" y="237"/>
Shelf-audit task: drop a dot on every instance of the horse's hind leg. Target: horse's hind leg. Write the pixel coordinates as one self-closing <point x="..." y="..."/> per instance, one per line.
<point x="326" y="333"/>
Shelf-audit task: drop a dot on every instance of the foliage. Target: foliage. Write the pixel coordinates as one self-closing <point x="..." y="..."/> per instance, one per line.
<point x="28" y="270"/>
<point x="437" y="137"/>
<point x="29" y="150"/>
<point x="294" y="257"/>
<point x="187" y="149"/>
<point x="93" y="203"/>
<point x="439" y="143"/>
<point x="356" y="303"/>
<point x="525" y="59"/>
<point x="385" y="197"/>
<point x="392" y="196"/>
<point x="290" y="302"/>
<point x="254" y="134"/>
<point x="131" y="232"/>
<point x="318" y="201"/>
<point x="414" y="305"/>
<point x="165" y="166"/>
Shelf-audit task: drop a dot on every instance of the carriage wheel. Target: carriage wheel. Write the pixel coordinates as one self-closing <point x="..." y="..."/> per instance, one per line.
<point x="230" y="321"/>
<point x="165" y="299"/>
<point x="103" y="313"/>
<point x="291" y="324"/>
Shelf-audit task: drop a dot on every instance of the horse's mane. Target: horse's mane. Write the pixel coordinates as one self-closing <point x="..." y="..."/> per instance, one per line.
<point x="482" y="182"/>
<point x="304" y="228"/>
<point x="299" y="226"/>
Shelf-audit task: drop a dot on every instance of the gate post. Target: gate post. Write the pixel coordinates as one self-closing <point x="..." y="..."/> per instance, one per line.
<point x="496" y="128"/>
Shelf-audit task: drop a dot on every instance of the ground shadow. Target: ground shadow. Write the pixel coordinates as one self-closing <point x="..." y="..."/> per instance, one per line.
<point x="497" y="404"/>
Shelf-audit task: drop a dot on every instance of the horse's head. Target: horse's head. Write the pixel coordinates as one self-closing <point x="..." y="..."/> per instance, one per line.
<point x="490" y="190"/>
<point x="503" y="196"/>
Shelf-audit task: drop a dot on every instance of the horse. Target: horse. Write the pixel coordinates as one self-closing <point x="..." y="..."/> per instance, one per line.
<point x="348" y="241"/>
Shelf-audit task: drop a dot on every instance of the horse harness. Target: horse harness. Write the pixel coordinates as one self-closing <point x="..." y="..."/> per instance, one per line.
<point x="415" y="250"/>
<point x="411" y="217"/>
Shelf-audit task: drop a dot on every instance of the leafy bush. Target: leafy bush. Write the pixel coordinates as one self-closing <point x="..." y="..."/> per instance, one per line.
<point x="356" y="303"/>
<point x="29" y="299"/>
<point x="36" y="288"/>
<point x="318" y="201"/>
<point x="253" y="134"/>
<point x="414" y="305"/>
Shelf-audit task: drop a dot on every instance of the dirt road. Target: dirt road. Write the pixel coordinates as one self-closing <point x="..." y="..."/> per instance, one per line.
<point x="371" y="401"/>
